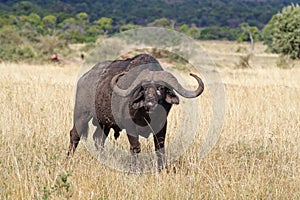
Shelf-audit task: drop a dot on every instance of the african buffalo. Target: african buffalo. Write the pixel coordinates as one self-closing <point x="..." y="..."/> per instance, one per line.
<point x="135" y="94"/>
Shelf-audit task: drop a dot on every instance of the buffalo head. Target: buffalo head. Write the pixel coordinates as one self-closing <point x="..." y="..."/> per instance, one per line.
<point x="149" y="95"/>
<point x="155" y="87"/>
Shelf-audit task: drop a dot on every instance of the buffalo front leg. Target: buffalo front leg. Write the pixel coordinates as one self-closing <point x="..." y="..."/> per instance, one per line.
<point x="100" y="136"/>
<point x="159" y="143"/>
<point x="135" y="148"/>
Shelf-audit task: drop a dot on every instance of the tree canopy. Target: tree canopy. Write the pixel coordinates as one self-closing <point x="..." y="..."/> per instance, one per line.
<point x="53" y="24"/>
<point x="201" y="13"/>
<point x="282" y="33"/>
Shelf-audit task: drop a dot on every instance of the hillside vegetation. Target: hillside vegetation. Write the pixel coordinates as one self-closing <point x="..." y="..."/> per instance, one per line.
<point x="201" y="13"/>
<point x="31" y="31"/>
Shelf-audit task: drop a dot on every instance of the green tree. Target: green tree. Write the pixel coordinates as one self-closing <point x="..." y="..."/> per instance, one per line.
<point x="184" y="28"/>
<point x="25" y="8"/>
<point x="83" y="18"/>
<point x="10" y="35"/>
<point x="249" y="33"/>
<point x="70" y="31"/>
<point x="68" y="21"/>
<point x="34" y="19"/>
<point x="49" y="21"/>
<point x="163" y="22"/>
<point x="268" y="32"/>
<point x="61" y="16"/>
<point x="30" y="32"/>
<point x="127" y="27"/>
<point x="104" y="24"/>
<point x="193" y="32"/>
<point x="92" y="31"/>
<point x="284" y="32"/>
<point x="219" y="33"/>
<point x="7" y="20"/>
<point x="252" y="34"/>
<point x="13" y="47"/>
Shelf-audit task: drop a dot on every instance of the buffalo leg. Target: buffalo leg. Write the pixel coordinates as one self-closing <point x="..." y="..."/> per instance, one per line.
<point x="135" y="148"/>
<point x="80" y="128"/>
<point x="74" y="140"/>
<point x="100" y="136"/>
<point x="117" y="131"/>
<point x="159" y="143"/>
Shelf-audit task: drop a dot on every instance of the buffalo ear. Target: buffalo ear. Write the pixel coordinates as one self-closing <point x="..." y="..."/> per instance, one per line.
<point x="171" y="98"/>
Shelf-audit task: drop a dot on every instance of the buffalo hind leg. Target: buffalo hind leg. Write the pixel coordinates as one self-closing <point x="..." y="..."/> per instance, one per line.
<point x="80" y="128"/>
<point x="74" y="140"/>
<point x="159" y="143"/>
<point x="135" y="148"/>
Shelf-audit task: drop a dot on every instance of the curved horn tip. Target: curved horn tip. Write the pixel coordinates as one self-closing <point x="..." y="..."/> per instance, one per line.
<point x="122" y="74"/>
<point x="115" y="79"/>
<point x="119" y="76"/>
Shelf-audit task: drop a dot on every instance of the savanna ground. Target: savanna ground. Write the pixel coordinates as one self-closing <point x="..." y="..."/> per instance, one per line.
<point x="256" y="157"/>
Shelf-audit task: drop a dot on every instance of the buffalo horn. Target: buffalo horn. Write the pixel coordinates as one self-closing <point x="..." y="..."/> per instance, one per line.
<point x="159" y="77"/>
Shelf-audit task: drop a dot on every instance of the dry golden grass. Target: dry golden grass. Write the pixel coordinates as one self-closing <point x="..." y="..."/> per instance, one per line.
<point x="256" y="157"/>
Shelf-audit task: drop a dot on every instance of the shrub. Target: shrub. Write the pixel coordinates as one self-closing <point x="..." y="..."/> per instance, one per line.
<point x="282" y="33"/>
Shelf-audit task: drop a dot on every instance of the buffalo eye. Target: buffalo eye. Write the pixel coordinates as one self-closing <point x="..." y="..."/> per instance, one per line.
<point x="159" y="90"/>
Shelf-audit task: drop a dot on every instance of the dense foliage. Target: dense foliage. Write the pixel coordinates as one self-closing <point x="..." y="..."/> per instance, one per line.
<point x="282" y="33"/>
<point x="201" y="13"/>
<point x="36" y="28"/>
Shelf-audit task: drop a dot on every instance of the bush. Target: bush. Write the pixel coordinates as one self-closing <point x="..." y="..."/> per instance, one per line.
<point x="217" y="33"/>
<point x="16" y="53"/>
<point x="9" y="35"/>
<point x="127" y="27"/>
<point x="282" y="33"/>
<point x="12" y="48"/>
<point x="28" y="45"/>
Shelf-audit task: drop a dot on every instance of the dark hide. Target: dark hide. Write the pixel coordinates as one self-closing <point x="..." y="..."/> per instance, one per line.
<point x="94" y="101"/>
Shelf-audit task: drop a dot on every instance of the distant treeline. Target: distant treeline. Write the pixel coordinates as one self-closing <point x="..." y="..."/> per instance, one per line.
<point x="36" y="28"/>
<point x="201" y="13"/>
<point x="83" y="21"/>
